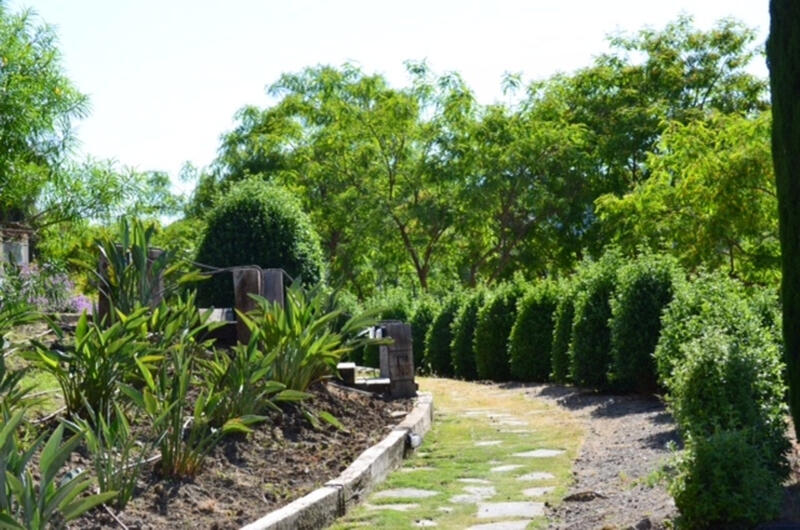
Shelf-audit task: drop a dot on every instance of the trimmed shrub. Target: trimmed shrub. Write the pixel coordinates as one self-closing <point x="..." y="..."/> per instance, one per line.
<point x="463" y="336"/>
<point x="438" y="355"/>
<point x="590" y="343"/>
<point x="727" y="382"/>
<point x="257" y="223"/>
<point x="420" y="323"/>
<point x="495" y="320"/>
<point x="644" y="288"/>
<point x="721" y="482"/>
<point x="531" y="336"/>
<point x="711" y="300"/>
<point x="562" y="331"/>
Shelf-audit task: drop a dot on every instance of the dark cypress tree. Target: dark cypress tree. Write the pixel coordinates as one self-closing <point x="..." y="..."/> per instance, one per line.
<point x="783" y="56"/>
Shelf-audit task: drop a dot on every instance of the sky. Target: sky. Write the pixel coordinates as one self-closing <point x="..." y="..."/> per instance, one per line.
<point x="166" y="77"/>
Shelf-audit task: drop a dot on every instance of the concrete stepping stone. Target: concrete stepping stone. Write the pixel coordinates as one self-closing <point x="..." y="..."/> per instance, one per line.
<point x="504" y="525"/>
<point x="393" y="507"/>
<point x="474" y="495"/>
<point x="492" y="510"/>
<point x="538" y="492"/>
<point x="445" y="509"/>
<point x="512" y="423"/>
<point x="474" y="481"/>
<point x="537" y="475"/>
<point x="488" y="443"/>
<point x="540" y="453"/>
<point x="405" y="493"/>
<point x="425" y="523"/>
<point x="413" y="469"/>
<point x="521" y="431"/>
<point x="504" y="468"/>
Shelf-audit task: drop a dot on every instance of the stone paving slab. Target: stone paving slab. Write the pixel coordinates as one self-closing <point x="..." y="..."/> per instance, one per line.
<point x="505" y="468"/>
<point x="540" y="453"/>
<point x="496" y="510"/>
<point x="503" y="525"/>
<point x="538" y="492"/>
<point x="536" y="475"/>
<point x="488" y="443"/>
<point x="405" y="493"/>
<point x="394" y="507"/>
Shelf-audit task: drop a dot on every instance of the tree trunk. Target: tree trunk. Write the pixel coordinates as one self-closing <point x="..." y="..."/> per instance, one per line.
<point x="783" y="57"/>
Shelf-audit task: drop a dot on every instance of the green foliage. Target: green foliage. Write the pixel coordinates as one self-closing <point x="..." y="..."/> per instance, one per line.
<point x="90" y="369"/>
<point x="421" y="320"/>
<point x="38" y="103"/>
<point x="28" y="503"/>
<point x="531" y="336"/>
<point x="12" y="393"/>
<point x="438" y="351"/>
<point x="118" y="457"/>
<point x="710" y="300"/>
<point x="492" y="330"/>
<point x="131" y="277"/>
<point x="257" y="223"/>
<point x="298" y="340"/>
<point x="463" y="329"/>
<point x="644" y="288"/>
<point x="590" y="342"/>
<point x="562" y="331"/>
<point x="732" y="382"/>
<point x="722" y="481"/>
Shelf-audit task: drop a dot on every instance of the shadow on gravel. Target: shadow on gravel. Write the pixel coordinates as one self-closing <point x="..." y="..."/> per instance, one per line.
<point x="661" y="439"/>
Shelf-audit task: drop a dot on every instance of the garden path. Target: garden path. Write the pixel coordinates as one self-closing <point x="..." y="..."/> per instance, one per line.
<point x="492" y="461"/>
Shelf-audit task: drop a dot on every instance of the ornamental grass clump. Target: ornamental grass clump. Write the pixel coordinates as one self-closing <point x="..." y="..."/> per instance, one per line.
<point x="530" y="341"/>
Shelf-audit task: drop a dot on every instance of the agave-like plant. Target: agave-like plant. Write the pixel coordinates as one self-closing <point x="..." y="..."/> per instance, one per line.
<point x="30" y="504"/>
<point x="299" y="340"/>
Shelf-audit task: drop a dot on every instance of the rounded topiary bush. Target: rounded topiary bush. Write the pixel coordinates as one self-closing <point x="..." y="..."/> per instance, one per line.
<point x="438" y="355"/>
<point x="562" y="332"/>
<point x="710" y="300"/>
<point x="590" y="343"/>
<point x="495" y="320"/>
<point x="722" y="482"/>
<point x="531" y="336"/>
<point x="257" y="223"/>
<point x="463" y="330"/>
<point x="732" y="382"/>
<point x="644" y="288"/>
<point x="421" y="320"/>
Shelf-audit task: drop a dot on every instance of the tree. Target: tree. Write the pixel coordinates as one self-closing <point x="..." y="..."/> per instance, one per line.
<point x="702" y="173"/>
<point x="783" y="54"/>
<point x="37" y="106"/>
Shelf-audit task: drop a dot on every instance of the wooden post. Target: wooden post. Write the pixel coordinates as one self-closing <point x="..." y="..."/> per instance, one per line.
<point x="272" y="285"/>
<point x="246" y="280"/>
<point x="400" y="360"/>
<point x="158" y="294"/>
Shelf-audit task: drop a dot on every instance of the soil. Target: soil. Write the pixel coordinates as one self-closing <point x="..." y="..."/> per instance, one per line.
<point x="247" y="477"/>
<point x="615" y="485"/>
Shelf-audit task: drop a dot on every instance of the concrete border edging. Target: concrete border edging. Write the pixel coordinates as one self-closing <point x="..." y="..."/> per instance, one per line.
<point x="324" y="505"/>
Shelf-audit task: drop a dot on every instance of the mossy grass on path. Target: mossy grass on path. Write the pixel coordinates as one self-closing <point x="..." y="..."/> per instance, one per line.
<point x="478" y="428"/>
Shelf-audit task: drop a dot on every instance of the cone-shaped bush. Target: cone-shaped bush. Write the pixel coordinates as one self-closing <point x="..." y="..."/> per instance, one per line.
<point x="438" y="355"/>
<point x="532" y="335"/>
<point x="562" y="332"/>
<point x="644" y="288"/>
<point x="421" y="322"/>
<point x="463" y="336"/>
<point x="495" y="320"/>
<point x="590" y="345"/>
<point x="257" y="223"/>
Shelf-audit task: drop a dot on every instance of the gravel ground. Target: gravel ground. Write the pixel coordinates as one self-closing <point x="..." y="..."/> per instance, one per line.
<point x="626" y="442"/>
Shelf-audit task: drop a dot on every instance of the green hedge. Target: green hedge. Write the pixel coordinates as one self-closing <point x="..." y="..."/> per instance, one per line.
<point x="495" y="320"/>
<point x="590" y="343"/>
<point x="438" y="355"/>
<point x="421" y="321"/>
<point x="257" y="223"/>
<point x="644" y="288"/>
<point x="531" y="336"/>
<point x="464" y="334"/>
<point x="562" y="332"/>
